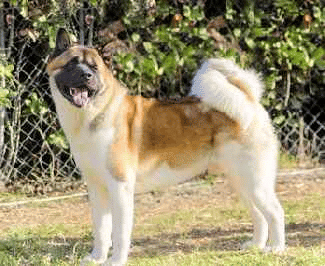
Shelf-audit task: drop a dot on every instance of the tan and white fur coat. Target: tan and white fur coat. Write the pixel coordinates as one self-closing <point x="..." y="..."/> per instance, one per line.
<point x="129" y="144"/>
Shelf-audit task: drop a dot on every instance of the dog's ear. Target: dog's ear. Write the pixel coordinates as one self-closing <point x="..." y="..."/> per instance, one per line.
<point x="63" y="42"/>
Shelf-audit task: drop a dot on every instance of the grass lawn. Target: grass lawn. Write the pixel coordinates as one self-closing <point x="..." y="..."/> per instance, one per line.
<point x="199" y="224"/>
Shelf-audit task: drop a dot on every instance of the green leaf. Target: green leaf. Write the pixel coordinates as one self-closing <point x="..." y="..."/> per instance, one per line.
<point x="6" y="71"/>
<point x="288" y="6"/>
<point x="4" y="93"/>
<point x="279" y="119"/>
<point x="169" y="65"/>
<point x="4" y="98"/>
<point x="201" y="32"/>
<point x="135" y="37"/>
<point x="189" y="51"/>
<point x="187" y="11"/>
<point x="299" y="58"/>
<point x="318" y="53"/>
<point x="197" y="13"/>
<point x="320" y="63"/>
<point x="164" y="8"/>
<point x="93" y="2"/>
<point x="317" y="12"/>
<point x="127" y="61"/>
<point x="279" y="106"/>
<point x="126" y="20"/>
<point x="148" y="47"/>
<point x="128" y="66"/>
<point x="163" y="34"/>
<point x="237" y="32"/>
<point x="36" y="105"/>
<point x="160" y="71"/>
<point x="58" y="138"/>
<point x="250" y="43"/>
<point x="150" y="67"/>
<point x="52" y="36"/>
<point x="258" y="31"/>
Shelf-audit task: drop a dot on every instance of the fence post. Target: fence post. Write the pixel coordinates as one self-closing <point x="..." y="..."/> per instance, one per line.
<point x="301" y="146"/>
<point x="2" y="85"/>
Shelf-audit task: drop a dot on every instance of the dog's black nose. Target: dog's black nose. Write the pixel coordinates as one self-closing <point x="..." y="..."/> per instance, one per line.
<point x="87" y="75"/>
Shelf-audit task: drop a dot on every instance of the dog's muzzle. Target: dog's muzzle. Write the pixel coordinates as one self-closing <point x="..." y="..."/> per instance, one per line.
<point x="78" y="86"/>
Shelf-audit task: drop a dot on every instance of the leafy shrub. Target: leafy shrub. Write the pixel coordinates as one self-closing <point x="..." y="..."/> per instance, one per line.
<point x="165" y="52"/>
<point x="5" y="93"/>
<point x="285" y="40"/>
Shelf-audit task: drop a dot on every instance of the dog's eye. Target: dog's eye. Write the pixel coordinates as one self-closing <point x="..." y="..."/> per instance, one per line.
<point x="74" y="60"/>
<point x="93" y="67"/>
<point x="72" y="63"/>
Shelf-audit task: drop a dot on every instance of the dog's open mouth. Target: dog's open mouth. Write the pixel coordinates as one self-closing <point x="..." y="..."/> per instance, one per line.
<point x="80" y="96"/>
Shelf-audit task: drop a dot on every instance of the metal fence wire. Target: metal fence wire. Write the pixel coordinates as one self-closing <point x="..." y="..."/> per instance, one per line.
<point x="31" y="146"/>
<point x="29" y="125"/>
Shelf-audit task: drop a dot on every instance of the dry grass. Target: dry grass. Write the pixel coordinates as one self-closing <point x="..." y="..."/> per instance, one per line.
<point x="194" y="224"/>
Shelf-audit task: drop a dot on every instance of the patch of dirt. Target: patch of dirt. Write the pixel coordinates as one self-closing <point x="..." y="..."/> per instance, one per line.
<point x="53" y="213"/>
<point x="292" y="185"/>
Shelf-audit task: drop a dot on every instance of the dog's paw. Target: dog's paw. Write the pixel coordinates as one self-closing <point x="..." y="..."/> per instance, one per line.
<point x="90" y="261"/>
<point x="110" y="262"/>
<point x="275" y="248"/>
<point x="251" y="245"/>
<point x="269" y="248"/>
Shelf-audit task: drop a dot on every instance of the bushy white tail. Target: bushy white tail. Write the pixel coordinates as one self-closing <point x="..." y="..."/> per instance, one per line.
<point x="225" y="87"/>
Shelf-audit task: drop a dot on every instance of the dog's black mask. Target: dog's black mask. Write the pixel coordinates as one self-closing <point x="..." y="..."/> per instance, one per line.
<point x="77" y="82"/>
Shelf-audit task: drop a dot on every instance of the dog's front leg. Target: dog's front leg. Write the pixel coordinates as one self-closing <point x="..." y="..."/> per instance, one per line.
<point x="122" y="194"/>
<point x="100" y="201"/>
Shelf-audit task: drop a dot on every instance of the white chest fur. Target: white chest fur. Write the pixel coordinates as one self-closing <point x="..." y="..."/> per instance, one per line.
<point x="89" y="148"/>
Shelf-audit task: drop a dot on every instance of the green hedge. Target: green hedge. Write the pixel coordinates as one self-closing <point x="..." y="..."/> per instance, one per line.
<point x="283" y="39"/>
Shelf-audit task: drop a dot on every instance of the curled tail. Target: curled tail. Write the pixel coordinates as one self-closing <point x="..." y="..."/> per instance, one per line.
<point x="225" y="87"/>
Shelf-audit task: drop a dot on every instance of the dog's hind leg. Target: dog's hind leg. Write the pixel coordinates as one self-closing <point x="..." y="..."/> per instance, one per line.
<point x="268" y="221"/>
<point x="260" y="235"/>
<point x="264" y="198"/>
<point x="254" y="175"/>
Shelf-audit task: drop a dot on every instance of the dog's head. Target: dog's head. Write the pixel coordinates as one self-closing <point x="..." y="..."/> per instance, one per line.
<point x="76" y="70"/>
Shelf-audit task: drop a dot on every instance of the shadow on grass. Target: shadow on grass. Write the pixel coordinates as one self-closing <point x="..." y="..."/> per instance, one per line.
<point x="70" y="250"/>
<point x="33" y="249"/>
<point x="197" y="239"/>
<point x="219" y="239"/>
<point x="305" y="234"/>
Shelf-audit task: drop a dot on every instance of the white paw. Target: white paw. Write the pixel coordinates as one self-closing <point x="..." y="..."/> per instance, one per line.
<point x="109" y="262"/>
<point x="269" y="248"/>
<point x="251" y="245"/>
<point x="275" y="248"/>
<point x="90" y="261"/>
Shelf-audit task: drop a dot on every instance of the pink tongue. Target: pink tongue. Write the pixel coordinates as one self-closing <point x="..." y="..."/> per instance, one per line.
<point x="80" y="96"/>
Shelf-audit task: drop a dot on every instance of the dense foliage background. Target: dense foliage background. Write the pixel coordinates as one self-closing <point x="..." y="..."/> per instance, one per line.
<point x="154" y="47"/>
<point x="164" y="41"/>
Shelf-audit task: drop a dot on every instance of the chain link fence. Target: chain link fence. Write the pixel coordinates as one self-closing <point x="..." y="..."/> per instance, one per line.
<point x="33" y="151"/>
<point x="302" y="133"/>
<point x="33" y="156"/>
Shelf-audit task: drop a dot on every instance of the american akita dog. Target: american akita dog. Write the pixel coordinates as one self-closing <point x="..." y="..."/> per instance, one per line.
<point x="126" y="144"/>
